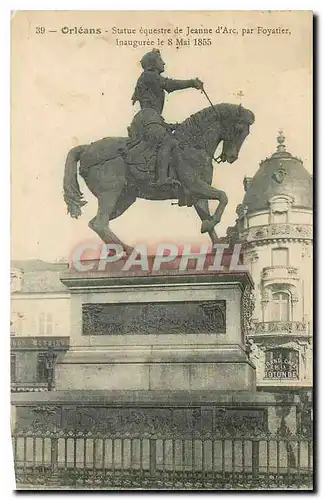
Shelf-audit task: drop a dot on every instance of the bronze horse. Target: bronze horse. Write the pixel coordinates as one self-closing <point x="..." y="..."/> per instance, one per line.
<point x="117" y="183"/>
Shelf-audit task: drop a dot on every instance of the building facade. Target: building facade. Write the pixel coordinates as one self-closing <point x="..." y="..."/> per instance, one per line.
<point x="275" y="226"/>
<point x="40" y="324"/>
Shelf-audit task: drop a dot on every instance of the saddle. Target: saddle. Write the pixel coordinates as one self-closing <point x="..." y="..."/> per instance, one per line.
<point x="141" y="159"/>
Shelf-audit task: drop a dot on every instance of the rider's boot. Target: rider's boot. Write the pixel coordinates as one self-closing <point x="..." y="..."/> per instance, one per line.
<point x="163" y="159"/>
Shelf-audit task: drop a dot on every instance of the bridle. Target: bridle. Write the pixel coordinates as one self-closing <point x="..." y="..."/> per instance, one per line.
<point x="218" y="159"/>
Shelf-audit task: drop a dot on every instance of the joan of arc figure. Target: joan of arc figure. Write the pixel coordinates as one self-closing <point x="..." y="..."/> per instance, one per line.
<point x="149" y="123"/>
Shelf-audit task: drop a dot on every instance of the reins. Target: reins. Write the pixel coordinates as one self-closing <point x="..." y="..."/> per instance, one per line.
<point x="217" y="159"/>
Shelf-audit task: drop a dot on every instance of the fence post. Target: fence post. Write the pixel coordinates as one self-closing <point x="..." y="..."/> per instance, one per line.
<point x="255" y="459"/>
<point x="54" y="453"/>
<point x="152" y="457"/>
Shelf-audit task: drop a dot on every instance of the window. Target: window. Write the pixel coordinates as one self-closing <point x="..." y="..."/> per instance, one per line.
<point x="280" y="206"/>
<point x="42" y="372"/>
<point x="279" y="257"/>
<point x="281" y="310"/>
<point x="280" y="218"/>
<point x="13" y="368"/>
<point x="282" y="364"/>
<point x="45" y="324"/>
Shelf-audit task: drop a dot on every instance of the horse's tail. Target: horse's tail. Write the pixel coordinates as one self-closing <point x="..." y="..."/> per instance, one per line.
<point x="72" y="194"/>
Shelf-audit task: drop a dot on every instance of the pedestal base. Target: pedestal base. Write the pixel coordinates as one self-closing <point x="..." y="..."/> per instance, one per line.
<point x="112" y="440"/>
<point x="127" y="412"/>
<point x="211" y="367"/>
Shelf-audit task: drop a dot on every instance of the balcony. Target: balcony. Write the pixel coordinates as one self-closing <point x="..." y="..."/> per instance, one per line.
<point x="281" y="327"/>
<point x="29" y="386"/>
<point x="278" y="231"/>
<point x="39" y="343"/>
<point x="280" y="274"/>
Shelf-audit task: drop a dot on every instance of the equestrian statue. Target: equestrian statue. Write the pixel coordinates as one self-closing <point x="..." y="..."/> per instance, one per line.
<point x="157" y="161"/>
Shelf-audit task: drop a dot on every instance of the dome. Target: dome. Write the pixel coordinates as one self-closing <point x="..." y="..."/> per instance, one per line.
<point x="281" y="174"/>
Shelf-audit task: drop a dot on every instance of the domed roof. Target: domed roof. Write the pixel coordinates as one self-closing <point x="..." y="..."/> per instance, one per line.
<point x="281" y="174"/>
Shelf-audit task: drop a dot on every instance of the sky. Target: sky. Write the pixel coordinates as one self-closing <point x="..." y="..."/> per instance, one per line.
<point x="75" y="89"/>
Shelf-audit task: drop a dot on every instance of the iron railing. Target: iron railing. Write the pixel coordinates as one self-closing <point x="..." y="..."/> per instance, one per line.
<point x="85" y="460"/>
<point x="29" y="386"/>
<point x="292" y="327"/>
<point x="280" y="272"/>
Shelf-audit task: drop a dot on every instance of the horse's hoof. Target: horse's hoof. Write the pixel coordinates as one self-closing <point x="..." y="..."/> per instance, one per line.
<point x="207" y="226"/>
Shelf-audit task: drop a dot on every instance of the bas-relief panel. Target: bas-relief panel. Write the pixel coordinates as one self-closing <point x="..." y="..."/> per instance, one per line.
<point x="152" y="318"/>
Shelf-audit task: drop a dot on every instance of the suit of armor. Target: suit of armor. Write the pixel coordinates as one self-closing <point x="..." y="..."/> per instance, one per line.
<point x="149" y="124"/>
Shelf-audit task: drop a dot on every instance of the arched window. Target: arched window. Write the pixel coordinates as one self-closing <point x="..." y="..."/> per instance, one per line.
<point x="280" y="206"/>
<point x="281" y="306"/>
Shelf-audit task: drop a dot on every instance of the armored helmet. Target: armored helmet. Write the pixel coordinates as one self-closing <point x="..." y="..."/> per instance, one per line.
<point x="148" y="61"/>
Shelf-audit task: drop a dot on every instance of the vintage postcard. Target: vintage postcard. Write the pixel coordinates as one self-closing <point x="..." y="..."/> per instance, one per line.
<point x="161" y="265"/>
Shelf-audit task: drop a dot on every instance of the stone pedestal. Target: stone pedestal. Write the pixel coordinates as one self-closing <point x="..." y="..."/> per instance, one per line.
<point x="156" y="389"/>
<point x="156" y="331"/>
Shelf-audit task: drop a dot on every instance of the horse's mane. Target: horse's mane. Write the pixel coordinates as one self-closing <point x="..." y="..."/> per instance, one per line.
<point x="195" y="125"/>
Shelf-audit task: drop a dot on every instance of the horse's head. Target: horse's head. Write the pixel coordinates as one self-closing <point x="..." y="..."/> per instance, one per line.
<point x="235" y="130"/>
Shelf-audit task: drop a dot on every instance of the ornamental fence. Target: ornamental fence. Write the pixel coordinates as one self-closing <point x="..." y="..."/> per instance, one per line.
<point x="211" y="460"/>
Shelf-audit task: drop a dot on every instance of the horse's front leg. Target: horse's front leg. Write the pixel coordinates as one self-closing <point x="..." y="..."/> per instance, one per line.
<point x="202" y="209"/>
<point x="213" y="220"/>
<point x="223" y="201"/>
<point x="201" y="189"/>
